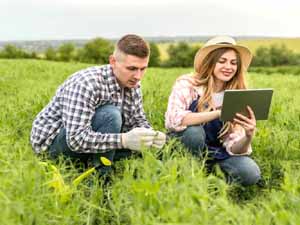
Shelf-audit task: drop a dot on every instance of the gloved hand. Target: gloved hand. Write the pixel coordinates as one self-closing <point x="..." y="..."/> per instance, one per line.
<point x="159" y="140"/>
<point x="138" y="137"/>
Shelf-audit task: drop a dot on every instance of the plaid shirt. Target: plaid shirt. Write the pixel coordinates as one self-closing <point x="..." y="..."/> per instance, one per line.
<point x="74" y="105"/>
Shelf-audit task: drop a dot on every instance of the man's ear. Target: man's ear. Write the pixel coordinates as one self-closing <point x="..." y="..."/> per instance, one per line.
<point x="112" y="60"/>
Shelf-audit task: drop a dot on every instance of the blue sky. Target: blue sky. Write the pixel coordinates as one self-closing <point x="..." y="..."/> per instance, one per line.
<point x="75" y="19"/>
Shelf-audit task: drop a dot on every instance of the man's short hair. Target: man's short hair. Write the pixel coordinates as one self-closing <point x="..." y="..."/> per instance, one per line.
<point x="132" y="44"/>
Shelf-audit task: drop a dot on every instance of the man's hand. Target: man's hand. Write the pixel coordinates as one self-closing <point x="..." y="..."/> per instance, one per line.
<point x="138" y="137"/>
<point x="159" y="140"/>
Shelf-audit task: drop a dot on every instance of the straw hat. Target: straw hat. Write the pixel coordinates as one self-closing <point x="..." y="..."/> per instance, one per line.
<point x="223" y="42"/>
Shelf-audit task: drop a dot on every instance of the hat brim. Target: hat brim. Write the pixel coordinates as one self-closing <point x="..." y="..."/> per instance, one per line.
<point x="245" y="54"/>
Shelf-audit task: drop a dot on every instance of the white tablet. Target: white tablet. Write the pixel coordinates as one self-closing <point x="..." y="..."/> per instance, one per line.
<point x="236" y="101"/>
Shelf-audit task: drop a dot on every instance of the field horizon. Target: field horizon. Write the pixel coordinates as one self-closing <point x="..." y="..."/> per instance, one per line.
<point x="292" y="43"/>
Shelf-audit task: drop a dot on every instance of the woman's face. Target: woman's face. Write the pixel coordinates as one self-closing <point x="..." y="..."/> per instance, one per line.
<point x="226" y="67"/>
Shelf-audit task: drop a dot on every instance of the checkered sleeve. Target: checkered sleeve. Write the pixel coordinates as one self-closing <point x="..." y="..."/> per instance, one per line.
<point x="179" y="101"/>
<point x="78" y="109"/>
<point x="139" y="115"/>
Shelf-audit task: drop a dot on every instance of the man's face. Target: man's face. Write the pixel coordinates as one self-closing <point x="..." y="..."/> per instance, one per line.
<point x="128" y="69"/>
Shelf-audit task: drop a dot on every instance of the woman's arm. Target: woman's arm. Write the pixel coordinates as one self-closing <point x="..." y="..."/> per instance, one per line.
<point x="195" y="118"/>
<point x="181" y="97"/>
<point x="242" y="146"/>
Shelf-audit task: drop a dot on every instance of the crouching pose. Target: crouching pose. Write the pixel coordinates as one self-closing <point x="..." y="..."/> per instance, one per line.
<point x="193" y="114"/>
<point x="97" y="113"/>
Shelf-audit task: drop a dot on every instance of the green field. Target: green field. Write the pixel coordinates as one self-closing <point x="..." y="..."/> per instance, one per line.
<point x="291" y="43"/>
<point x="163" y="187"/>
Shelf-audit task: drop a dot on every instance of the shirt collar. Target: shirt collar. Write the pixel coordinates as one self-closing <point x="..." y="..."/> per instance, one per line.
<point x="112" y="79"/>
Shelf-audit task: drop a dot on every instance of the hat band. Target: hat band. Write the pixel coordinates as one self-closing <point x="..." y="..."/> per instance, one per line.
<point x="225" y="43"/>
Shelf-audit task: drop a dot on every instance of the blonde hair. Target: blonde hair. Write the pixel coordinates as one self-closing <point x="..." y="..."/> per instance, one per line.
<point x="204" y="76"/>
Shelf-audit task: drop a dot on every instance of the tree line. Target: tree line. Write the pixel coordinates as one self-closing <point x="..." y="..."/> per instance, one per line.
<point x="180" y="55"/>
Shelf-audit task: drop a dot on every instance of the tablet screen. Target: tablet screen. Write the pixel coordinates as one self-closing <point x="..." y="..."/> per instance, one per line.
<point x="236" y="101"/>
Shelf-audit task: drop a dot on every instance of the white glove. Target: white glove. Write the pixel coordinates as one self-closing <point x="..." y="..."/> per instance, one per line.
<point x="159" y="140"/>
<point x="138" y="137"/>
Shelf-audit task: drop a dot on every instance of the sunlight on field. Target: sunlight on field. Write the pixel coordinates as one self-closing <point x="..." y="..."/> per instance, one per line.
<point x="291" y="43"/>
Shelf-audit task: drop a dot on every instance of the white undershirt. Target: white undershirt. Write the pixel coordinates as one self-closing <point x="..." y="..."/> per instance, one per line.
<point x="218" y="99"/>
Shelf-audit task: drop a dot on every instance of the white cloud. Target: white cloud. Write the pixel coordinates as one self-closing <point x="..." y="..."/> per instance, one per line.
<point x="36" y="19"/>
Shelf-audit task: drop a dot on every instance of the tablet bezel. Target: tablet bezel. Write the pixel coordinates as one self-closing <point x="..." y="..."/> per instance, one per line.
<point x="236" y="101"/>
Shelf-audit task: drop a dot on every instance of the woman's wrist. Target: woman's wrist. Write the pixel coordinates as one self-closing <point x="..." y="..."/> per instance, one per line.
<point x="218" y="113"/>
<point x="250" y="135"/>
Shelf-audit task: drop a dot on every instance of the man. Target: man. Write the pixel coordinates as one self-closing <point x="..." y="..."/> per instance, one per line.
<point x="97" y="112"/>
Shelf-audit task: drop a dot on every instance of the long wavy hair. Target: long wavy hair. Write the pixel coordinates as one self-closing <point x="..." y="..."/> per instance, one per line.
<point x="204" y="77"/>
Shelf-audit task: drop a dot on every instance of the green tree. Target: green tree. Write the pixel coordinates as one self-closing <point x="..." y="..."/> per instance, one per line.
<point x="275" y="55"/>
<point x="34" y="55"/>
<point x="262" y="57"/>
<point x="96" y="51"/>
<point x="181" y="55"/>
<point x="154" y="59"/>
<point x="50" y="53"/>
<point x="12" y="52"/>
<point x="66" y="52"/>
<point x="280" y="55"/>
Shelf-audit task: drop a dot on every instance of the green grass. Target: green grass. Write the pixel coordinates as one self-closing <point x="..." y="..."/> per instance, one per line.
<point x="163" y="187"/>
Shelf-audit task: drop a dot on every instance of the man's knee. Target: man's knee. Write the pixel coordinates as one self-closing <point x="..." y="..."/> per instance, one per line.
<point x="243" y="170"/>
<point x="194" y="139"/>
<point x="107" y="119"/>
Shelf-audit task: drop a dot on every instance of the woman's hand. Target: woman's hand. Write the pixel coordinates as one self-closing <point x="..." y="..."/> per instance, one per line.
<point x="248" y="123"/>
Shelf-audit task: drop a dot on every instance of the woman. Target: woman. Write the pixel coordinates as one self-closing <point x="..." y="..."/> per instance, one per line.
<point x="194" y="110"/>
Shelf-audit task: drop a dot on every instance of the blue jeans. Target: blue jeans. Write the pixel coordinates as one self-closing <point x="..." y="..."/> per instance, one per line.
<point x="107" y="119"/>
<point x="239" y="169"/>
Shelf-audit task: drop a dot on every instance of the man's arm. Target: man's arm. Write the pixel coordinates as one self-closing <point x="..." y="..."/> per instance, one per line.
<point x="78" y="109"/>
